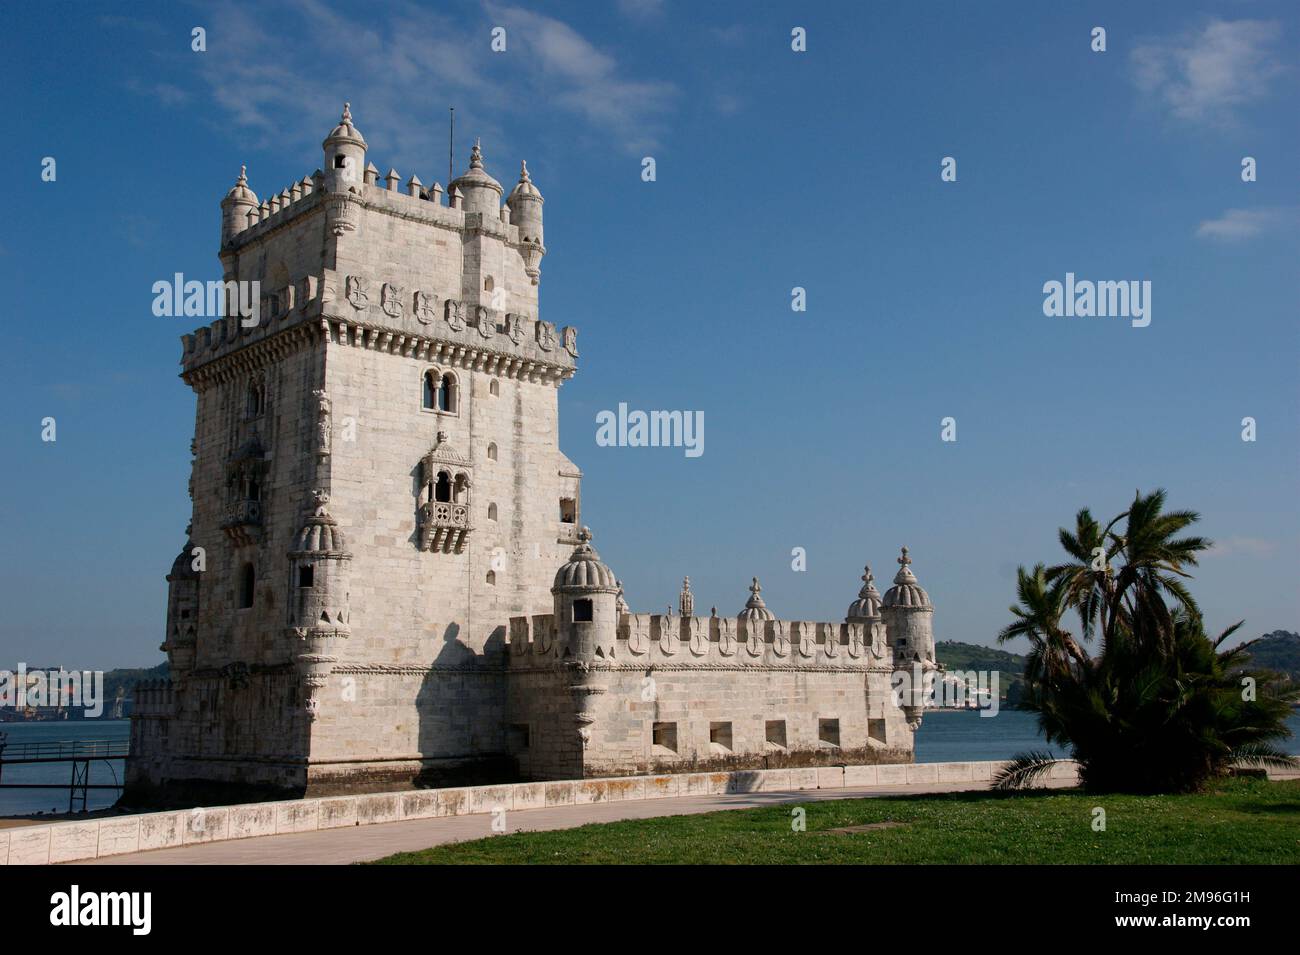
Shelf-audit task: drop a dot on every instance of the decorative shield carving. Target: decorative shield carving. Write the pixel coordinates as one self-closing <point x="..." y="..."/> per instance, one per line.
<point x="357" y="292"/>
<point x="486" y="324"/>
<point x="754" y="639"/>
<point x="832" y="640"/>
<point x="877" y="640"/>
<point x="545" y="335"/>
<point x="855" y="640"/>
<point x="638" y="639"/>
<point x="726" y="636"/>
<point x="424" y="308"/>
<point x="780" y="640"/>
<point x="571" y="340"/>
<point x="515" y="328"/>
<point x="543" y="635"/>
<point x="806" y="638"/>
<point x="699" y="636"/>
<point x="669" y="635"/>
<point x="390" y="300"/>
<point x="456" y="315"/>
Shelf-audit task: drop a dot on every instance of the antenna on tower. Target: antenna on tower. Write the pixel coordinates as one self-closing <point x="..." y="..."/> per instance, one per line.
<point x="451" y="151"/>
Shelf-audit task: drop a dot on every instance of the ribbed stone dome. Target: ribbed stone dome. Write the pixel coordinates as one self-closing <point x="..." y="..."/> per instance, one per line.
<point x="320" y="533"/>
<point x="240" y="192"/>
<point x="183" y="565"/>
<point x="524" y="189"/>
<point x="477" y="177"/>
<point x="755" y="609"/>
<point x="584" y="569"/>
<point x="868" y="602"/>
<point x="906" y="592"/>
<point x="345" y="131"/>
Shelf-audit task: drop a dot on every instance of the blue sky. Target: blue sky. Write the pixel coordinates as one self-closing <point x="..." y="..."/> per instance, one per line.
<point x="775" y="169"/>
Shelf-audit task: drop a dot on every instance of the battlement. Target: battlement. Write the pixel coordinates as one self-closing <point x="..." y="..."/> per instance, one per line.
<point x="371" y="313"/>
<point x="657" y="640"/>
<point x="154" y="698"/>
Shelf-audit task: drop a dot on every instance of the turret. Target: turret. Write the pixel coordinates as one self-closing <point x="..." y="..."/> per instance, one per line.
<point x="182" y="611"/>
<point x="525" y="204"/>
<point x="866" y="609"/>
<point x="479" y="191"/>
<point x="345" y="154"/>
<point x="686" y="600"/>
<point x="909" y="630"/>
<point x="235" y="208"/>
<point x="585" y="595"/>
<point x="318" y="597"/>
<point x="755" y="610"/>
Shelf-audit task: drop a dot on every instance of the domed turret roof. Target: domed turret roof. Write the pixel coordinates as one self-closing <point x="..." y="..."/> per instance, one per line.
<point x="240" y="192"/>
<point x="524" y="188"/>
<point x="345" y="132"/>
<point x="477" y="176"/>
<point x="584" y="569"/>
<point x="906" y="592"/>
<point x="183" y="565"/>
<point x="320" y="533"/>
<point x="755" y="609"/>
<point x="868" y="603"/>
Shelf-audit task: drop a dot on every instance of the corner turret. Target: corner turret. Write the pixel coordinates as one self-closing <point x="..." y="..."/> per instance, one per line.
<point x="345" y="154"/>
<point x="909" y="629"/>
<point x="235" y="208"/>
<point x="525" y="204"/>
<point x="479" y="191"/>
<point x="318" y="602"/>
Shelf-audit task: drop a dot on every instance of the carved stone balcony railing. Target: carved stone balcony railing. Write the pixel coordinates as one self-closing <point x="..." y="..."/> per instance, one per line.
<point x="444" y="527"/>
<point x="243" y="521"/>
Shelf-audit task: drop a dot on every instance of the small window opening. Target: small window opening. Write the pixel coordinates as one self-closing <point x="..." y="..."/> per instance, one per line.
<point x="582" y="612"/>
<point x="828" y="731"/>
<point x="247" y="579"/>
<point x="568" y="510"/>
<point x="720" y="735"/>
<point x="776" y="733"/>
<point x="306" y="575"/>
<point x="665" y="736"/>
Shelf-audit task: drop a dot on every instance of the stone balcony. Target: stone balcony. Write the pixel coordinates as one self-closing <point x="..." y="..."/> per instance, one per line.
<point x="444" y="527"/>
<point x="243" y="521"/>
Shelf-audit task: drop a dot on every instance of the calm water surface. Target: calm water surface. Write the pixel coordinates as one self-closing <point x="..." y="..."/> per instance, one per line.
<point x="945" y="737"/>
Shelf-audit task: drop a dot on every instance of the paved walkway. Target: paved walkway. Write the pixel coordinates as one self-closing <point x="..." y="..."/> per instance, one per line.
<point x="363" y="843"/>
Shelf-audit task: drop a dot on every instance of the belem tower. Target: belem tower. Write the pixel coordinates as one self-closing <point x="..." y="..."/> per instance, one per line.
<point x="386" y="580"/>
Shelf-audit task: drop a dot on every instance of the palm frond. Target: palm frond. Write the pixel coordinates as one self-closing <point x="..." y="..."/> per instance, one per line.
<point x="1024" y="770"/>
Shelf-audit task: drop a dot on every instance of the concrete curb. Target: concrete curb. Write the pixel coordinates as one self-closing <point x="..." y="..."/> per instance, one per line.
<point x="118" y="835"/>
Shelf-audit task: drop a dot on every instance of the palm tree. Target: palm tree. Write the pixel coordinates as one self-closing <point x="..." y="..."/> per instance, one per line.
<point x="1161" y="707"/>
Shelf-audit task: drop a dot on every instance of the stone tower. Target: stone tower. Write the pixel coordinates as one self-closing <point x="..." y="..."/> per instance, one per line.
<point x="377" y="485"/>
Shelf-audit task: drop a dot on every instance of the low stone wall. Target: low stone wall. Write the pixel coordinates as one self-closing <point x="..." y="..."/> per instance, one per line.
<point x="116" y="835"/>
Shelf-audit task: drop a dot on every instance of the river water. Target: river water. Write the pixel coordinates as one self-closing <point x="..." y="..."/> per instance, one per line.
<point x="945" y="737"/>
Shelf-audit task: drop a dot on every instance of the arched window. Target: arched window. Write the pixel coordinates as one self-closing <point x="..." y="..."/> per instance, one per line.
<point x="494" y="388"/>
<point x="429" y="395"/>
<point x="488" y="284"/>
<point x="256" y="398"/>
<point x="442" y="489"/>
<point x="492" y="578"/>
<point x="492" y="512"/>
<point x="492" y="451"/>
<point x="447" y="393"/>
<point x="461" y="489"/>
<point x="247" y="579"/>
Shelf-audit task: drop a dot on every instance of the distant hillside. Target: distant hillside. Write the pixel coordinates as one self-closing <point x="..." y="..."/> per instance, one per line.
<point x="1280" y="651"/>
<point x="955" y="655"/>
<point x="127" y="678"/>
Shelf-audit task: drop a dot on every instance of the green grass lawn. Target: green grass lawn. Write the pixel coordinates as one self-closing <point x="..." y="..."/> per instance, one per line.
<point x="1239" y="821"/>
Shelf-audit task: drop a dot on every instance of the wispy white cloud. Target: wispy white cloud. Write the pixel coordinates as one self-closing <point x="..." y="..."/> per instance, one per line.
<point x="1235" y="225"/>
<point x="401" y="65"/>
<point x="1208" y="75"/>
<point x="641" y="9"/>
<point x="1243" y="547"/>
